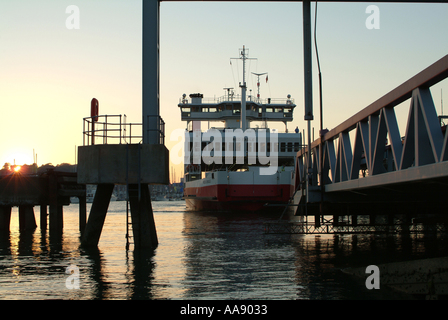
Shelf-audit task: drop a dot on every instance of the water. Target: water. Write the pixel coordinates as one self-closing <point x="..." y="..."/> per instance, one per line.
<point x="200" y="256"/>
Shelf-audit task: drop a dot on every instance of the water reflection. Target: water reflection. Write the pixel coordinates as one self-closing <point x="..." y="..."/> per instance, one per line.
<point x="228" y="257"/>
<point x="201" y="255"/>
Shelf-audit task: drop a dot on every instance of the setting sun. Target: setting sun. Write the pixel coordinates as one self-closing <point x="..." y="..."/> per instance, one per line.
<point x="17" y="168"/>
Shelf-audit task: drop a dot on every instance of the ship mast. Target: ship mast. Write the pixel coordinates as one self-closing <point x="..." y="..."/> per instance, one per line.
<point x="258" y="83"/>
<point x="244" y="57"/>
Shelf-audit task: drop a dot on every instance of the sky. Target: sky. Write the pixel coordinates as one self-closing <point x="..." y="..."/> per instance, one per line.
<point x="49" y="73"/>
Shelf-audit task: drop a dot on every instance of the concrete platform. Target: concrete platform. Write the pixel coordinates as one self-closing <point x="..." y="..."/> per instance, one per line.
<point x="111" y="164"/>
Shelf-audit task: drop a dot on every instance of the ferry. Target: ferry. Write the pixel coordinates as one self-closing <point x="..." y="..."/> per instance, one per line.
<point x="241" y="168"/>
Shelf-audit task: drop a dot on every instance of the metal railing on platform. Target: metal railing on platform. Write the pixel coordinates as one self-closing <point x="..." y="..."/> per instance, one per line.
<point x="113" y="129"/>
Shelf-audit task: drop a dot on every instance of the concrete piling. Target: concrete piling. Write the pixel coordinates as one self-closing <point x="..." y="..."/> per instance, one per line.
<point x="97" y="215"/>
<point x="143" y="225"/>
<point x="82" y="214"/>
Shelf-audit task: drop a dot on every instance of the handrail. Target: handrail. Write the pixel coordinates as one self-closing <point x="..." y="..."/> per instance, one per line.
<point x="111" y="129"/>
<point x="372" y="126"/>
<point x="430" y="76"/>
<point x="237" y="98"/>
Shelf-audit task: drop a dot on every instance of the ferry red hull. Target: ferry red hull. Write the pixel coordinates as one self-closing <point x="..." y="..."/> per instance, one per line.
<point x="237" y="197"/>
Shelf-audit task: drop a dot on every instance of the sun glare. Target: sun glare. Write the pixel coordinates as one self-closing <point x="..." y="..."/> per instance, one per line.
<point x="17" y="168"/>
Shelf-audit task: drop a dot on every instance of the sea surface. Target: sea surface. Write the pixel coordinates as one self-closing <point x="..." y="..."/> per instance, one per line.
<point x="201" y="255"/>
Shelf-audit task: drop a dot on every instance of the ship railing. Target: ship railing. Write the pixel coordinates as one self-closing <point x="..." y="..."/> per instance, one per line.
<point x="113" y="129"/>
<point x="237" y="97"/>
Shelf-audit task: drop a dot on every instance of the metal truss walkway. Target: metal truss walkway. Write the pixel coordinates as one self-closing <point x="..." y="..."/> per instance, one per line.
<point x="381" y="171"/>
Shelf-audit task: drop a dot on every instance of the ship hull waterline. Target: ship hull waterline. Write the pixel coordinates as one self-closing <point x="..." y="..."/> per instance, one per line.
<point x="265" y="198"/>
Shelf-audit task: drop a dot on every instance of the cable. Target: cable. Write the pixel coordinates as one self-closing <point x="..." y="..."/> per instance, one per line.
<point x="322" y="182"/>
<point x="318" y="66"/>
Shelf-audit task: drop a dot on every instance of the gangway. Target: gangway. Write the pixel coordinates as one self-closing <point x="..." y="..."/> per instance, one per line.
<point x="381" y="171"/>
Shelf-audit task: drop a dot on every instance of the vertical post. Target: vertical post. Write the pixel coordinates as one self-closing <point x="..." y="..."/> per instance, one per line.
<point x="93" y="132"/>
<point x="308" y="79"/>
<point x="94" y="112"/>
<point x="5" y="218"/>
<point x="82" y="214"/>
<point x="55" y="215"/>
<point x="27" y="221"/>
<point x="243" y="93"/>
<point x="43" y="216"/>
<point x="307" y="54"/>
<point x="143" y="225"/>
<point x="150" y="71"/>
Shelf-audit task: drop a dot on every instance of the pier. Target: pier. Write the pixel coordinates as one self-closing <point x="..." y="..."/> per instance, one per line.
<point x="51" y="189"/>
<point x="123" y="157"/>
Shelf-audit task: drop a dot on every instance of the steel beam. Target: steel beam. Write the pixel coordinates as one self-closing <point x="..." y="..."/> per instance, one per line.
<point x="432" y="171"/>
<point x="150" y="72"/>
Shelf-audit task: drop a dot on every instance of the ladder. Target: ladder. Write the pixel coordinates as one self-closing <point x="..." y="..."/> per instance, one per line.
<point x="129" y="235"/>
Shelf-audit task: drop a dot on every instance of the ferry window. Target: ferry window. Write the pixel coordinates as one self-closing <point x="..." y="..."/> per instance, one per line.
<point x="283" y="147"/>
<point x="213" y="176"/>
<point x="289" y="146"/>
<point x="208" y="147"/>
<point x="296" y="146"/>
<point x="269" y="110"/>
<point x="197" y="147"/>
<point x="238" y="146"/>
<point x="250" y="147"/>
<point x="186" y="109"/>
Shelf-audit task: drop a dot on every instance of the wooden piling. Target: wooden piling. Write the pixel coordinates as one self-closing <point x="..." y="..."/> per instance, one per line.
<point x="43" y="216"/>
<point x="5" y="218"/>
<point x="56" y="211"/>
<point x="27" y="221"/>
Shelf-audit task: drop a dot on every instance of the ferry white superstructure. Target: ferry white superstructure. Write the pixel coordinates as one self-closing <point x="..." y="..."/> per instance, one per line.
<point x="236" y="182"/>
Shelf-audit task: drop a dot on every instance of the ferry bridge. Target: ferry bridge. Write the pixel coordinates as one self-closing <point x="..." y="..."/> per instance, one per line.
<point x="364" y="166"/>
